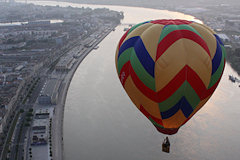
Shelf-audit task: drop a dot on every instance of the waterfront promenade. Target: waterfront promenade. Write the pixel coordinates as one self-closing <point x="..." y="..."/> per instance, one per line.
<point x="57" y="126"/>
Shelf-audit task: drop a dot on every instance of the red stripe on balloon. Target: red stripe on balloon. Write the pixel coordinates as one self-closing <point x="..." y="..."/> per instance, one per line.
<point x="169" y="22"/>
<point x="210" y="90"/>
<point x="199" y="87"/>
<point x="172" y="86"/>
<point x="160" y="96"/>
<point x="157" y="120"/>
<point x="196" y="83"/>
<point x="123" y="38"/>
<point x="124" y="73"/>
<point x="163" y="94"/>
<point x="173" y="36"/>
<point x="141" y="86"/>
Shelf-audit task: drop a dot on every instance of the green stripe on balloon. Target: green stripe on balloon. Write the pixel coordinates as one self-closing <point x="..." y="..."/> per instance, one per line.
<point x="223" y="52"/>
<point x="191" y="96"/>
<point x="135" y="26"/>
<point x="142" y="74"/>
<point x="169" y="28"/>
<point x="215" y="77"/>
<point x="155" y="123"/>
<point x="185" y="90"/>
<point x="124" y="58"/>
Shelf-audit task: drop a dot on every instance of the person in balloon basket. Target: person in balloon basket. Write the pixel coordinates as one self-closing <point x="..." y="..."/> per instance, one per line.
<point x="166" y="145"/>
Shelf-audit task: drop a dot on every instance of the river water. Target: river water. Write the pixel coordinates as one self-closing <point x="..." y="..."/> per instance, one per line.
<point x="101" y="123"/>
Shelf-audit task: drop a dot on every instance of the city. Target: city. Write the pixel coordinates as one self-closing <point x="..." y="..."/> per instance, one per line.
<point x="40" y="48"/>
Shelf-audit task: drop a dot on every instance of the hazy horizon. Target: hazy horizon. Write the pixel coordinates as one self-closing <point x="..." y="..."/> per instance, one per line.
<point x="161" y="3"/>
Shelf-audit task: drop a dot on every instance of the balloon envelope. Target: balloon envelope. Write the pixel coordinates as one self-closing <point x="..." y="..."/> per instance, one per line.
<point x="169" y="69"/>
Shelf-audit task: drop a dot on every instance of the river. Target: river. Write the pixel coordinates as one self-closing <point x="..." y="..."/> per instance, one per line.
<point x="101" y="123"/>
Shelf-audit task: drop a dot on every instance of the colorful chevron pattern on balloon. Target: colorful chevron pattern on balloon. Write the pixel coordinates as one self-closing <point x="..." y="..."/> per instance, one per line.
<point x="169" y="69"/>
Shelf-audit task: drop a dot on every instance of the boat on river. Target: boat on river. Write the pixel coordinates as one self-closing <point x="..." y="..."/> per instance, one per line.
<point x="96" y="47"/>
<point x="234" y="79"/>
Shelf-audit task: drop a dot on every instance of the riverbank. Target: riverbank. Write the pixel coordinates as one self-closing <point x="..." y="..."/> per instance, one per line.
<point x="57" y="127"/>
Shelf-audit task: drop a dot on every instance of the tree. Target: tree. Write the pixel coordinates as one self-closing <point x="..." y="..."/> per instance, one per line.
<point x="29" y="114"/>
<point x="29" y="119"/>
<point x="30" y="110"/>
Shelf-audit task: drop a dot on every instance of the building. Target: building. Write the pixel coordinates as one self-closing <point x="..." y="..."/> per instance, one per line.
<point x="224" y="37"/>
<point x="236" y="37"/>
<point x="233" y="25"/>
<point x="12" y="46"/>
<point x="65" y="64"/>
<point x="49" y="93"/>
<point x="44" y="99"/>
<point x="40" y="127"/>
<point x="19" y="68"/>
<point x="62" y="39"/>
<point x="39" y="132"/>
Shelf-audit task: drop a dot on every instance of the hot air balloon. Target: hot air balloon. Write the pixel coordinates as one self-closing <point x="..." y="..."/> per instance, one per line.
<point x="169" y="69"/>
